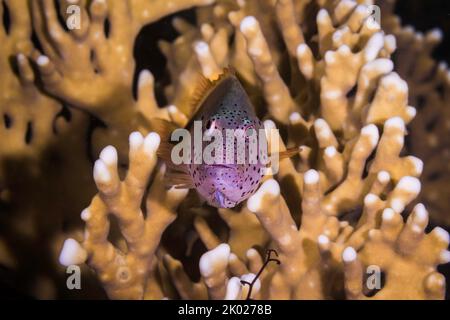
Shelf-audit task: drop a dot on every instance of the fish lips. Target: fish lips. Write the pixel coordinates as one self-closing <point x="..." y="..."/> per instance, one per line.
<point x="218" y="198"/>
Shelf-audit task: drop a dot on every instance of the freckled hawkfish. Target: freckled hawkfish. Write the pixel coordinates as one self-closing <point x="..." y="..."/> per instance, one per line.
<point x="222" y="108"/>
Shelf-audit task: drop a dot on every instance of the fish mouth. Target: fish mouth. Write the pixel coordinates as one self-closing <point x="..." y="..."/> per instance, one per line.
<point x="220" y="199"/>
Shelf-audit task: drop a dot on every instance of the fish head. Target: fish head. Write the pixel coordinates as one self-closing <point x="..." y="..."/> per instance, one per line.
<point x="226" y="185"/>
<point x="214" y="183"/>
<point x="224" y="107"/>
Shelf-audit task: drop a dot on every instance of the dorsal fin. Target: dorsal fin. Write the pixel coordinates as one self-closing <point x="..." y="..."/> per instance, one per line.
<point x="163" y="127"/>
<point x="288" y="153"/>
<point x="205" y="86"/>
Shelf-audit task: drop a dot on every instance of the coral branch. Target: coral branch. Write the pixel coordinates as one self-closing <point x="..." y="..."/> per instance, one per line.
<point x="124" y="273"/>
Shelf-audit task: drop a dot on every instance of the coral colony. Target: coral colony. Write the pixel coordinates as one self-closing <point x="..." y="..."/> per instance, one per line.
<point x="342" y="217"/>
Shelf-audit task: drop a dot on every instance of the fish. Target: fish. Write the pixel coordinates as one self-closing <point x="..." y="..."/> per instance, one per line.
<point x="222" y="105"/>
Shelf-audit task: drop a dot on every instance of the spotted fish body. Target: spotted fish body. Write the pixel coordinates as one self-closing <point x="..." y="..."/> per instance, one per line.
<point x="226" y="185"/>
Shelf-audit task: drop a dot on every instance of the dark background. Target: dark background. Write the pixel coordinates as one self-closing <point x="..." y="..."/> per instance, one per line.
<point x="424" y="15"/>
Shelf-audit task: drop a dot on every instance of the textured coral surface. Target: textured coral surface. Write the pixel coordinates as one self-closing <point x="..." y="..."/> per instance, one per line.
<point x="81" y="183"/>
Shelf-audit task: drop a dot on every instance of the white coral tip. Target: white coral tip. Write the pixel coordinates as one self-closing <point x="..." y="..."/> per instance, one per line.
<point x="374" y="46"/>
<point x="442" y="66"/>
<point x="344" y="49"/>
<point x="330" y="151"/>
<point x="418" y="165"/>
<point x="21" y="58"/>
<point x="323" y="240"/>
<point x="172" y="109"/>
<point x="320" y="124"/>
<point x="390" y="42"/>
<point x="411" y="112"/>
<point x="444" y="257"/>
<point x="232" y="258"/>
<point x="136" y="140"/>
<point x="381" y="65"/>
<point x="395" y="122"/>
<point x="361" y="9"/>
<point x="255" y="202"/>
<point x="322" y="16"/>
<point x="398" y="205"/>
<point x="101" y="172"/>
<point x="214" y="260"/>
<point x="234" y="289"/>
<point x="151" y="143"/>
<point x="409" y="184"/>
<point x="269" y="124"/>
<point x="441" y="234"/>
<point x="43" y="60"/>
<point x="435" y="34"/>
<point x="249" y="277"/>
<point x="201" y="48"/>
<point x="72" y="253"/>
<point x="329" y="57"/>
<point x="311" y="177"/>
<point x="109" y="155"/>
<point x="420" y="213"/>
<point x="349" y="255"/>
<point x="252" y="253"/>
<point x="145" y="78"/>
<point x="370" y="199"/>
<point x="86" y="214"/>
<point x="371" y="131"/>
<point x="321" y="127"/>
<point x="302" y="49"/>
<point x="295" y="117"/>
<point x="394" y="80"/>
<point x="249" y="23"/>
<point x="383" y="176"/>
<point x="388" y="214"/>
<point x="347" y="4"/>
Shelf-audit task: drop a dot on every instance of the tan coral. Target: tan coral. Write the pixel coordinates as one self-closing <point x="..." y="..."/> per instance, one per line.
<point x="124" y="273"/>
<point x="374" y="77"/>
<point x="245" y="231"/>
<point x="93" y="69"/>
<point x="35" y="132"/>
<point x="27" y="114"/>
<point x="428" y="81"/>
<point x="307" y="270"/>
<point x="395" y="248"/>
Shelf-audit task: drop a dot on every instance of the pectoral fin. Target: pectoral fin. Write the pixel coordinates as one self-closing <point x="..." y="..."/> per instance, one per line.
<point x="289" y="153"/>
